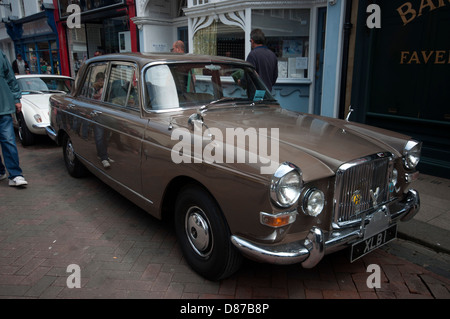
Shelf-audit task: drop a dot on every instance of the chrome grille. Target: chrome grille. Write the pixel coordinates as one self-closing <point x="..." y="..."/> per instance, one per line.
<point x="360" y="185"/>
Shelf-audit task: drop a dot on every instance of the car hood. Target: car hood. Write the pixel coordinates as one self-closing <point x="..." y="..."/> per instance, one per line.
<point x="318" y="145"/>
<point x="38" y="101"/>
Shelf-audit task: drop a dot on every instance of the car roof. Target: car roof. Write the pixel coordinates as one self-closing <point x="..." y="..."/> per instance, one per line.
<point x="143" y="58"/>
<point x="23" y="76"/>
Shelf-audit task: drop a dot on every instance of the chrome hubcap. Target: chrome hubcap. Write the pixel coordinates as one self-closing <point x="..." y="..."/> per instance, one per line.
<point x="198" y="232"/>
<point x="70" y="152"/>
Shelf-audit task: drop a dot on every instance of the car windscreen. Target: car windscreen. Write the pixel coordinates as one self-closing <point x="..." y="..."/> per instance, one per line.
<point x="36" y="85"/>
<point x="171" y="86"/>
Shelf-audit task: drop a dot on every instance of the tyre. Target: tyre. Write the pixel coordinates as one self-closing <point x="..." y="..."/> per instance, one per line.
<point x="26" y="137"/>
<point x="204" y="236"/>
<point x="73" y="164"/>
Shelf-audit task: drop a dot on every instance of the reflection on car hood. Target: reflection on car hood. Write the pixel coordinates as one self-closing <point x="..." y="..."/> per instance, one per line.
<point x="318" y="145"/>
<point x="40" y="101"/>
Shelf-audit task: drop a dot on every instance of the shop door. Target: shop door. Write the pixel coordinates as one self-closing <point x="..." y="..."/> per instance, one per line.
<point x="410" y="76"/>
<point x="320" y="49"/>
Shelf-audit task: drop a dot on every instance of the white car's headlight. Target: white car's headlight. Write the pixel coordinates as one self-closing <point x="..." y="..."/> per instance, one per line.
<point x="286" y="185"/>
<point x="411" y="154"/>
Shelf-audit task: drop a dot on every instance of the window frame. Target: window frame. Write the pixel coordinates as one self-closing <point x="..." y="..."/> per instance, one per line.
<point x="106" y="86"/>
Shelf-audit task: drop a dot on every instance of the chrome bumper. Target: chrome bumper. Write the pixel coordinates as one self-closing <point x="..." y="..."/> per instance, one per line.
<point x="51" y="133"/>
<point x="40" y="125"/>
<point x="317" y="243"/>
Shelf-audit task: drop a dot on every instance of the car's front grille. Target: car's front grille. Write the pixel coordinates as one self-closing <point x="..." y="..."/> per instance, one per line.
<point x="360" y="185"/>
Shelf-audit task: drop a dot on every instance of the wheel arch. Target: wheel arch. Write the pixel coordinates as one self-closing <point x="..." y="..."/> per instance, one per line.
<point x="172" y="191"/>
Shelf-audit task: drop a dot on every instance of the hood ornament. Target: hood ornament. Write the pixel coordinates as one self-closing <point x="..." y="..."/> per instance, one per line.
<point x="374" y="196"/>
<point x="350" y="111"/>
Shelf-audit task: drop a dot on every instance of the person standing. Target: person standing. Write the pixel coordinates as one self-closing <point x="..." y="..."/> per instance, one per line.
<point x="10" y="95"/>
<point x="264" y="60"/>
<point x="19" y="65"/>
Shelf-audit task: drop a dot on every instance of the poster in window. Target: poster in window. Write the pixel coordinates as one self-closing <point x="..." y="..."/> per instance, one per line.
<point x="292" y="48"/>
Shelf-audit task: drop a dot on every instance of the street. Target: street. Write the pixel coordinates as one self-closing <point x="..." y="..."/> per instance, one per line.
<point x="60" y="227"/>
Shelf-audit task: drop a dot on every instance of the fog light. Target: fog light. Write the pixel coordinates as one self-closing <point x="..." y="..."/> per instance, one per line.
<point x="313" y="202"/>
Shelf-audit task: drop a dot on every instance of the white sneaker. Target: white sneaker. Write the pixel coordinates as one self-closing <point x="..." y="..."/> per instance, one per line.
<point x="3" y="176"/>
<point x="106" y="164"/>
<point x="18" y="181"/>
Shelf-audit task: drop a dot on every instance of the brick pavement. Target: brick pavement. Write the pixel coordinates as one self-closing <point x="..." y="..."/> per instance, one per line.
<point x="125" y="253"/>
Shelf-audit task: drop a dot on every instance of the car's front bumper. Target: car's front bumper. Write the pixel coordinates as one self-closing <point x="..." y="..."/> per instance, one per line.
<point x="51" y="133"/>
<point x="318" y="242"/>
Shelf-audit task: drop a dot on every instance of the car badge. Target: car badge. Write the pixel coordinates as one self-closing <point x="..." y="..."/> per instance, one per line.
<point x="356" y="200"/>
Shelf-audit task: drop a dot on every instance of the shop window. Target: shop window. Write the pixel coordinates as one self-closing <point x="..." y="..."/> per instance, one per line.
<point x="287" y="34"/>
<point x="222" y="39"/>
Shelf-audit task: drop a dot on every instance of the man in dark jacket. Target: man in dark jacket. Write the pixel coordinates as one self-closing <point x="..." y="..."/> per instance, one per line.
<point x="20" y="66"/>
<point x="10" y="95"/>
<point x="264" y="60"/>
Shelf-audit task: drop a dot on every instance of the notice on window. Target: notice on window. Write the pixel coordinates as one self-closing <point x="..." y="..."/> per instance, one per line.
<point x="301" y="63"/>
<point x="160" y="47"/>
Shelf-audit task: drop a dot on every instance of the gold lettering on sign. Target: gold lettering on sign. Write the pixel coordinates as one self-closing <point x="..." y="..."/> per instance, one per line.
<point x="425" y="57"/>
<point x="408" y="13"/>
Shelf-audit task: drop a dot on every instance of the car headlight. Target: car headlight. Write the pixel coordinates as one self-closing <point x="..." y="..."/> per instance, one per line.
<point x="286" y="185"/>
<point x="313" y="202"/>
<point x="411" y="154"/>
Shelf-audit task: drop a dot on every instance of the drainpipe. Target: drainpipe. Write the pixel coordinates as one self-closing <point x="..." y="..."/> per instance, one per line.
<point x="346" y="44"/>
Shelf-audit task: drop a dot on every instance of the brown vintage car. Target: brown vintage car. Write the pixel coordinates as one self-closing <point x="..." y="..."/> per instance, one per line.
<point x="200" y="141"/>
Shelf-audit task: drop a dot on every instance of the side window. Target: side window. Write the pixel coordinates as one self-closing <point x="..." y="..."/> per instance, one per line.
<point x="161" y="88"/>
<point x="94" y="82"/>
<point x="122" y="86"/>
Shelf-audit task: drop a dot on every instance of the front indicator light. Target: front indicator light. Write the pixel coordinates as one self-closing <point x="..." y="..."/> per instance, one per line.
<point x="38" y="118"/>
<point x="278" y="220"/>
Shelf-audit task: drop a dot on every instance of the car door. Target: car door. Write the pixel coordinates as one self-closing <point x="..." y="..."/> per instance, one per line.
<point x="116" y="128"/>
<point x="81" y="107"/>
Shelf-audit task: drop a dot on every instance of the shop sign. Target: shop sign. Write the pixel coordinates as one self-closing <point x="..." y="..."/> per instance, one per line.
<point x="409" y="13"/>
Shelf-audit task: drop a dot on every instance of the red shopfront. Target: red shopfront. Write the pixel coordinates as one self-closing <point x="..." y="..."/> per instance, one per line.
<point x="104" y="25"/>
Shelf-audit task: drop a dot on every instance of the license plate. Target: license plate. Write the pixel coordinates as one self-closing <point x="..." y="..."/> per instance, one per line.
<point x="365" y="246"/>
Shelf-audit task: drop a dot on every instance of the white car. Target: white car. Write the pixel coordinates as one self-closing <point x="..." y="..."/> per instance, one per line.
<point x="36" y="91"/>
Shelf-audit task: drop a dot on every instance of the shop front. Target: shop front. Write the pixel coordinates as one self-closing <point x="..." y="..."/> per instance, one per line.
<point x="295" y="30"/>
<point x="35" y="38"/>
<point x="104" y="26"/>
<point x="402" y="72"/>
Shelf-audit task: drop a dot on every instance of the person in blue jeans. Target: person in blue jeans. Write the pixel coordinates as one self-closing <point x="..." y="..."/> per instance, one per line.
<point x="2" y="170"/>
<point x="10" y="95"/>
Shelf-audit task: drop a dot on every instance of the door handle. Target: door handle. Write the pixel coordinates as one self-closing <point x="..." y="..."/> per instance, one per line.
<point x="95" y="113"/>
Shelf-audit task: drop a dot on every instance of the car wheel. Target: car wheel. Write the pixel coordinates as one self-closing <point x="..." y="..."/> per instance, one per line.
<point x="204" y="235"/>
<point x="25" y="135"/>
<point x="73" y="164"/>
